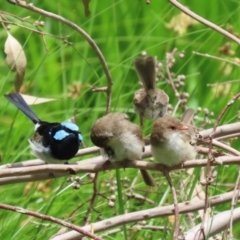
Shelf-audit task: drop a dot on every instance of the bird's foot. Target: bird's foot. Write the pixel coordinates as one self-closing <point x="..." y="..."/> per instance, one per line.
<point x="106" y="165"/>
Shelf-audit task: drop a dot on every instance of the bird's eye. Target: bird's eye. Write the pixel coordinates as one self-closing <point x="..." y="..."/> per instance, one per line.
<point x="172" y="127"/>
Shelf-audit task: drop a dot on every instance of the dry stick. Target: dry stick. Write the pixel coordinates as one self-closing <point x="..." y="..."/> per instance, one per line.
<point x="70" y="169"/>
<point x="234" y="201"/>
<point x="219" y="59"/>
<point x="49" y="218"/>
<point x="91" y="200"/>
<point x="163" y="211"/>
<point x="175" y="203"/>
<point x="216" y="153"/>
<point x="221" y="131"/>
<point x="210" y="153"/>
<point x="224" y="146"/>
<point x="170" y="56"/>
<point x="86" y="151"/>
<point x="228" y="136"/>
<point x="32" y="8"/>
<point x="204" y="21"/>
<point x="221" y="145"/>
<point x="33" y="30"/>
<point x="36" y="173"/>
<point x="140" y="197"/>
<point x="78" y="207"/>
<point x="91" y="205"/>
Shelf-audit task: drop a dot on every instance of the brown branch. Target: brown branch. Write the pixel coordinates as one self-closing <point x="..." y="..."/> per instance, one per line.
<point x="49" y="218"/>
<point x="94" y="196"/>
<point x="97" y="89"/>
<point x="204" y="21"/>
<point x="175" y="203"/>
<point x="208" y="167"/>
<point x="36" y="173"/>
<point x="185" y="207"/>
<point x="219" y="59"/>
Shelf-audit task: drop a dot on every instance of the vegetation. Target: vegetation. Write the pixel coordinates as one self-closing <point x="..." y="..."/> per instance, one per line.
<point x="61" y="64"/>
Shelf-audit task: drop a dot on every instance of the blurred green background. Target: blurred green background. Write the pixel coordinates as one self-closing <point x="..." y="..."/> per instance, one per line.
<point x="122" y="30"/>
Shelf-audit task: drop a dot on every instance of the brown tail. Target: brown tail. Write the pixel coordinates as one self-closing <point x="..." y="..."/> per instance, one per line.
<point x="148" y="178"/>
<point x="187" y="116"/>
<point x="146" y="70"/>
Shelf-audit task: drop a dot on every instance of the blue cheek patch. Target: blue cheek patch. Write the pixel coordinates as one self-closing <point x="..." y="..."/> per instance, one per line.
<point x="60" y="135"/>
<point x="70" y="125"/>
<point x="80" y="137"/>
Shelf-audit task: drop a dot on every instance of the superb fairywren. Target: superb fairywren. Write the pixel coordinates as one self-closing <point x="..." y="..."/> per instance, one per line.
<point x="120" y="140"/>
<point x="149" y="102"/>
<point x="52" y="142"/>
<point x="171" y="139"/>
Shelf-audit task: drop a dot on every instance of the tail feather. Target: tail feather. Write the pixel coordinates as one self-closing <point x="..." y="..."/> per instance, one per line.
<point x="146" y="70"/>
<point x="148" y="178"/>
<point x="20" y="103"/>
<point x="187" y="116"/>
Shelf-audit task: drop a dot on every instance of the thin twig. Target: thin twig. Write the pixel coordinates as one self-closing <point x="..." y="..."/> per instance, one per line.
<point x="78" y="207"/>
<point x="235" y="135"/>
<point x="175" y="203"/>
<point x="49" y="218"/>
<point x="92" y="43"/>
<point x="208" y="172"/>
<point x="204" y="21"/>
<point x="216" y="58"/>
<point x="163" y="211"/>
<point x="234" y="201"/>
<point x="224" y="146"/>
<point x="94" y="196"/>
<point x="64" y="38"/>
<point x="215" y="127"/>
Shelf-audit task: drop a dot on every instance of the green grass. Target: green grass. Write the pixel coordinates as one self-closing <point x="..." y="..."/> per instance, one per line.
<point x="122" y="30"/>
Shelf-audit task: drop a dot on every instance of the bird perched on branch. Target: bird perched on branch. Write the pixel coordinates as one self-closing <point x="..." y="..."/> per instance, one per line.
<point x="52" y="142"/>
<point x="120" y="140"/>
<point x="171" y="139"/>
<point x="149" y="102"/>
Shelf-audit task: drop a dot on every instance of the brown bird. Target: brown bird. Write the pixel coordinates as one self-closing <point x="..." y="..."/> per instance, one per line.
<point x="120" y="140"/>
<point x="170" y="139"/>
<point x="149" y="102"/>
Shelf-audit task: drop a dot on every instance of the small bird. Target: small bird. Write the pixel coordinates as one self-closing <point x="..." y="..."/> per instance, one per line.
<point x="52" y="142"/>
<point x="170" y="139"/>
<point x="149" y="102"/>
<point x="120" y="140"/>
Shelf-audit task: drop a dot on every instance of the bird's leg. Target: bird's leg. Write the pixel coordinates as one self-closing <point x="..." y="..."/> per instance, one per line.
<point x="175" y="203"/>
<point x="106" y="165"/>
<point x="141" y="120"/>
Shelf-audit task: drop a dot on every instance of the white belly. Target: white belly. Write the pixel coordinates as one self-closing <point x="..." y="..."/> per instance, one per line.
<point x="125" y="147"/>
<point x="174" y="151"/>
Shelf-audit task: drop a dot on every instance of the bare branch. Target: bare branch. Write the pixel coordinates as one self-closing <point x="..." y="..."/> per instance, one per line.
<point x="175" y="203"/>
<point x="49" y="218"/>
<point x="204" y="21"/>
<point x="184" y="207"/>
<point x="214" y="225"/>
<point x="42" y="172"/>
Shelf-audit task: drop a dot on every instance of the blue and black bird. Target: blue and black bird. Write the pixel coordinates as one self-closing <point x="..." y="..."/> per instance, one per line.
<point x="52" y="142"/>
